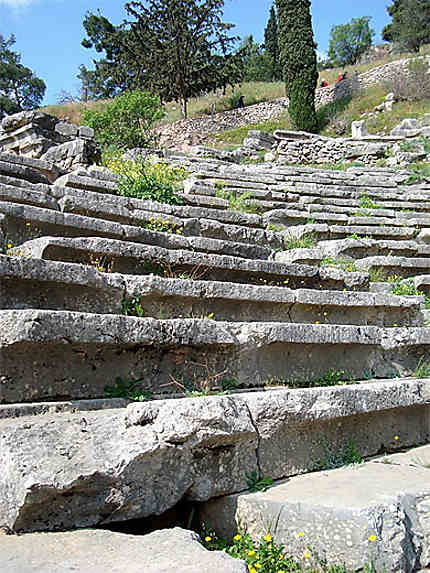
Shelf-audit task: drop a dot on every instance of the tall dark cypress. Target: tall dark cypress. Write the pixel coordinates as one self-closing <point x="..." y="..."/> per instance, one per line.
<point x="271" y="45"/>
<point x="299" y="61"/>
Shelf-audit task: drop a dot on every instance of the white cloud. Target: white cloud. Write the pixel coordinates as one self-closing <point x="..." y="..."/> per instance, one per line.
<point x="16" y="3"/>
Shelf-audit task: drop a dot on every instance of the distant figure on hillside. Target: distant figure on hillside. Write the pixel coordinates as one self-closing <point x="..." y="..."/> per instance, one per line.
<point x="324" y="84"/>
<point x="339" y="78"/>
<point x="240" y="102"/>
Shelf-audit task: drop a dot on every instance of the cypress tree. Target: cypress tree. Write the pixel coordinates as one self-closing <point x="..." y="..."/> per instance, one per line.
<point x="299" y="61"/>
<point x="271" y="45"/>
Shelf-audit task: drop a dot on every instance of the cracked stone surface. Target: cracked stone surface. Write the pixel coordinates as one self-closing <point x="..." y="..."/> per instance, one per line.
<point x="98" y="551"/>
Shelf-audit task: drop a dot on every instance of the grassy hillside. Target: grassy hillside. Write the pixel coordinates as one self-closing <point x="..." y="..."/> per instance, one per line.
<point x="335" y="120"/>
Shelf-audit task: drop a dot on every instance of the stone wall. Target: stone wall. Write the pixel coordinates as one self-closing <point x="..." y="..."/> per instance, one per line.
<point x="184" y="133"/>
<point x="42" y="136"/>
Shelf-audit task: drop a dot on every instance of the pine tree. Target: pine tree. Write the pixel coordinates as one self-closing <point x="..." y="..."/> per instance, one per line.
<point x="299" y="61"/>
<point x="271" y="44"/>
<point x="20" y="89"/>
<point x="410" y="28"/>
<point x="185" y="47"/>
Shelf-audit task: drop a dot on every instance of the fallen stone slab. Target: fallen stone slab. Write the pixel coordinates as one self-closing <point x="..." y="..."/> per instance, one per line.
<point x="22" y="172"/>
<point x="135" y="258"/>
<point x="366" y="515"/>
<point x="395" y="266"/>
<point x="77" y="181"/>
<point x="46" y="168"/>
<point x="99" y="551"/>
<point x="96" y="467"/>
<point x="60" y="355"/>
<point x="24" y="195"/>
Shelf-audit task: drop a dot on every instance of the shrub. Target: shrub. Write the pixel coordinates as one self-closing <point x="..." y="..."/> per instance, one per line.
<point x="127" y="121"/>
<point x="412" y="84"/>
<point x="146" y="180"/>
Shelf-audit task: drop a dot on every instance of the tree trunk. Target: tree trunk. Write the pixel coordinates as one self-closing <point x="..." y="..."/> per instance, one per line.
<point x="184" y="108"/>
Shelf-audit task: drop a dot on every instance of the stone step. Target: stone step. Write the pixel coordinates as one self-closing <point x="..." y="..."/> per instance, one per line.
<point x="324" y="232"/>
<point x="25" y="222"/>
<point x="32" y="283"/>
<point x="77" y="197"/>
<point x="46" y="168"/>
<point x="402" y="205"/>
<point x="395" y="266"/>
<point x="28" y="195"/>
<point x="58" y="355"/>
<point x="369" y="515"/>
<point x="101" y="551"/>
<point x="110" y="255"/>
<point x="96" y="467"/>
<point x="192" y="221"/>
<point x="346" y="250"/>
<point x="290" y="217"/>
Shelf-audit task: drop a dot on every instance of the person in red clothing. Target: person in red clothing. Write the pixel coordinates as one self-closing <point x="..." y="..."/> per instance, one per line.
<point x="339" y="78"/>
<point x="324" y="84"/>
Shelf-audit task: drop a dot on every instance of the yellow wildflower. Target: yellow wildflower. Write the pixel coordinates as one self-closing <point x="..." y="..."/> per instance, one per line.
<point x="9" y="245"/>
<point x="251" y="553"/>
<point x="281" y="557"/>
<point x="307" y="555"/>
<point x="208" y="538"/>
<point x="258" y="565"/>
<point x="396" y="438"/>
<point x="237" y="537"/>
<point x="281" y="571"/>
<point x="317" y="322"/>
<point x="268" y="537"/>
<point x="301" y="534"/>
<point x="372" y="537"/>
<point x="252" y="570"/>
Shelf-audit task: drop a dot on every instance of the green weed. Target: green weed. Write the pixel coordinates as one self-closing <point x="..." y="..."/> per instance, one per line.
<point x="305" y="242"/>
<point x="132" y="307"/>
<point x="128" y="389"/>
<point x="338" y="457"/>
<point x="423" y="369"/>
<point x="256" y="483"/>
<point x="242" y="203"/>
<point x="340" y="263"/>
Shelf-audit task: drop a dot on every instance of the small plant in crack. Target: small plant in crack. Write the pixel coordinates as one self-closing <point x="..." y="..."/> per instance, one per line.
<point x="132" y="307"/>
<point x="128" y="389"/>
<point x="256" y="483"/>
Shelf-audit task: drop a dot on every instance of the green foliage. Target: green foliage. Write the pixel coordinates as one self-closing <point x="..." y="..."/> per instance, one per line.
<point x="423" y="369"/>
<point x="115" y="72"/>
<point x="419" y="172"/>
<point x="255" y="62"/>
<point x="271" y="44"/>
<point x="299" y="61"/>
<point x="305" y="242"/>
<point x="160" y="225"/>
<point x="257" y="483"/>
<point x="338" y="457"/>
<point x="410" y="28"/>
<point x="20" y="89"/>
<point x="340" y="263"/>
<point x="367" y="203"/>
<point x="145" y="180"/>
<point x="130" y="390"/>
<point x="132" y="307"/>
<point x="404" y="288"/>
<point x="183" y="47"/>
<point x="126" y="121"/>
<point x="266" y="556"/>
<point x="348" y="42"/>
<point x="242" y="203"/>
<point x="331" y="378"/>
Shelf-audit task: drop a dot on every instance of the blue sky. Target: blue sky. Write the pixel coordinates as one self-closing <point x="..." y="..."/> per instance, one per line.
<point x="49" y="32"/>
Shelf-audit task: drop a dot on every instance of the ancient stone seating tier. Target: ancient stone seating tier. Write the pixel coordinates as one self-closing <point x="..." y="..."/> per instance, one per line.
<point x="256" y="302"/>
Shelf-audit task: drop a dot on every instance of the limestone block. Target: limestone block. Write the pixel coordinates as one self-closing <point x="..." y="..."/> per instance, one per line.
<point x="98" y="551"/>
<point x="359" y="129"/>
<point x="372" y="513"/>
